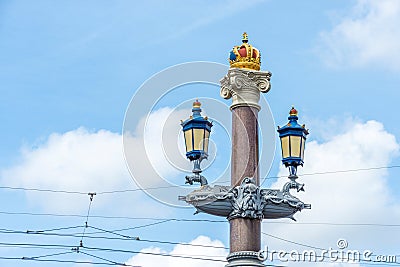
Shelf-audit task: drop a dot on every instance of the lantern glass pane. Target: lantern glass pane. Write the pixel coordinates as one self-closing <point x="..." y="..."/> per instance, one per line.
<point x="303" y="143"/>
<point x="198" y="135"/>
<point x="295" y="145"/>
<point x="188" y="140"/>
<point x="285" y="147"/>
<point x="206" y="136"/>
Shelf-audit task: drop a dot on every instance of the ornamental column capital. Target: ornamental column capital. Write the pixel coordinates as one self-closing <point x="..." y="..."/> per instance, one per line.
<point x="244" y="86"/>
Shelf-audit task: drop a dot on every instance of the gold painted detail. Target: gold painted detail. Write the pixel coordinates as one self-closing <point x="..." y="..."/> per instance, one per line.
<point x="293" y="112"/>
<point x="247" y="56"/>
<point x="196" y="104"/>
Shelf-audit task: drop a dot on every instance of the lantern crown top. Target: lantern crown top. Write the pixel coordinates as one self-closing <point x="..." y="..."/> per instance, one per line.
<point x="293" y="126"/>
<point x="245" y="56"/>
<point x="196" y="117"/>
<point x="196" y="109"/>
<point x="196" y="104"/>
<point x="293" y="112"/>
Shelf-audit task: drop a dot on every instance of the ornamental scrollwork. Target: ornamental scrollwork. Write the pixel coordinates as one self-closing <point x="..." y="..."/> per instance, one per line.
<point x="244" y="86"/>
<point x="225" y="92"/>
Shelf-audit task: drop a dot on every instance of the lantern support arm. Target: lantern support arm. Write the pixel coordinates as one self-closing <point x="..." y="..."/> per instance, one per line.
<point x="198" y="178"/>
<point x="293" y="171"/>
<point x="293" y="184"/>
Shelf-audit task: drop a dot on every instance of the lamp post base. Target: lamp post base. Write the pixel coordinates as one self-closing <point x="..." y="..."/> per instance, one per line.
<point x="244" y="258"/>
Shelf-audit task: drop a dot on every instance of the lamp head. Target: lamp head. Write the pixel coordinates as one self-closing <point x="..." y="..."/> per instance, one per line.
<point x="293" y="138"/>
<point x="196" y="131"/>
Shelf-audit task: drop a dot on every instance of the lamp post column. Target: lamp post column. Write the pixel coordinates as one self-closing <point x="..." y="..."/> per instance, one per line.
<point x="244" y="87"/>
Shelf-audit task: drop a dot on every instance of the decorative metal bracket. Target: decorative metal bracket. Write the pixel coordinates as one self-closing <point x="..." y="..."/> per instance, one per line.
<point x="247" y="200"/>
<point x="293" y="184"/>
<point x="198" y="178"/>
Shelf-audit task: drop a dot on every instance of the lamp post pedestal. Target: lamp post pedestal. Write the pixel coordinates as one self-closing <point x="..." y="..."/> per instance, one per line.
<point x="244" y="258"/>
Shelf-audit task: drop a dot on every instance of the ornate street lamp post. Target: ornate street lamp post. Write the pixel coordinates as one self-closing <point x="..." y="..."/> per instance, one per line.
<point x="196" y="131"/>
<point x="244" y="203"/>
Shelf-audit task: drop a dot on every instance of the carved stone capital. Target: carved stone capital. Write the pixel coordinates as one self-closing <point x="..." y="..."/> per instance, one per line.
<point x="244" y="86"/>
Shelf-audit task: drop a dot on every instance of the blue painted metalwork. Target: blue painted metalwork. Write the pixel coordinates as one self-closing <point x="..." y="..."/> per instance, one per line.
<point x="293" y="129"/>
<point x="196" y="121"/>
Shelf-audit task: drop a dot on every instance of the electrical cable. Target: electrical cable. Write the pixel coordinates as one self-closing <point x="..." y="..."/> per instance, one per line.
<point x="322" y="249"/>
<point x="124" y="237"/>
<point x="197" y="257"/>
<point x="51" y="255"/>
<point x="333" y="172"/>
<point x="162" y="187"/>
<point x="91" y="195"/>
<point x="100" y="258"/>
<point x="193" y="220"/>
<point x="154" y="254"/>
<point x="111" y="217"/>
<point x="114" y="233"/>
<point x="53" y="230"/>
<point x="156" y="241"/>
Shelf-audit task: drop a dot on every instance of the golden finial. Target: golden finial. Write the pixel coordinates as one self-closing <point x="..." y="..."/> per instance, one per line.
<point x="293" y="112"/>
<point x="245" y="38"/>
<point x="196" y="104"/>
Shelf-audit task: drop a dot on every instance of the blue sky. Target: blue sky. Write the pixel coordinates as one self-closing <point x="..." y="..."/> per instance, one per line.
<point x="68" y="70"/>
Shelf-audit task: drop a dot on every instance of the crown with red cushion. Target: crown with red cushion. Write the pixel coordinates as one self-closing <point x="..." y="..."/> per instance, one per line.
<point x="245" y="56"/>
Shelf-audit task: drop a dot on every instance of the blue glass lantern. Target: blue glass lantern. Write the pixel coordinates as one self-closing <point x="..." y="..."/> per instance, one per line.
<point x="293" y="139"/>
<point x="196" y="131"/>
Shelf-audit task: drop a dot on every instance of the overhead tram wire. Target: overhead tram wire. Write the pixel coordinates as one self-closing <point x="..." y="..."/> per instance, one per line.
<point x="91" y="195"/>
<point x="333" y="172"/>
<point x="192" y="220"/>
<point x="176" y="243"/>
<point x="163" y="187"/>
<point x="365" y="262"/>
<point x="111" y="217"/>
<point x="53" y="229"/>
<point x="194" y="257"/>
<point x="198" y="245"/>
<point x="121" y="237"/>
<point x="101" y="258"/>
<point x="85" y="193"/>
<point x="72" y="250"/>
<point x="334" y="224"/>
<point x="67" y="261"/>
<point x="50" y="255"/>
<point x="168" y="255"/>
<point x="158" y="241"/>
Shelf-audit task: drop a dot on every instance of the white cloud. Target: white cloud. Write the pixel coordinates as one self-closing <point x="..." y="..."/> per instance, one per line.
<point x="93" y="161"/>
<point x="368" y="36"/>
<point x="350" y="197"/>
<point x="184" y="250"/>
<point x="77" y="160"/>
<point x="164" y="145"/>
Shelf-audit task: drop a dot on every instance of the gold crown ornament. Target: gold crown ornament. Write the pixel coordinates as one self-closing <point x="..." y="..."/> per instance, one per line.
<point x="245" y="56"/>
